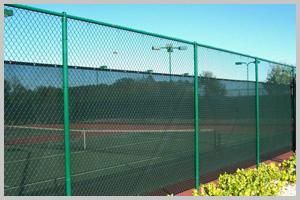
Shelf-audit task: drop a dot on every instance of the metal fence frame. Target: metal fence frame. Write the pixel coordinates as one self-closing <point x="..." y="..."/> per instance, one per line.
<point x="64" y="16"/>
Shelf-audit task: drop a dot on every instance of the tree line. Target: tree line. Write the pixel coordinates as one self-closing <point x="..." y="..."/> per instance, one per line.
<point x="132" y="99"/>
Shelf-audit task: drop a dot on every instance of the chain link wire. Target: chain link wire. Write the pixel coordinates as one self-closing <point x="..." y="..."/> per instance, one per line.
<point x="144" y="118"/>
<point x="276" y="108"/>
<point x="34" y="156"/>
<point x="226" y="111"/>
<point x="132" y="109"/>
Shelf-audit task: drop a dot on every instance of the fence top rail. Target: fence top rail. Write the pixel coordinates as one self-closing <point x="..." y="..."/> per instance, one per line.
<point x="141" y="32"/>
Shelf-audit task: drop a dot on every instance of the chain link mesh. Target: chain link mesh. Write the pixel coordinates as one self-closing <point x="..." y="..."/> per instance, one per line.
<point x="34" y="156"/>
<point x="226" y="111"/>
<point x="145" y="119"/>
<point x="132" y="109"/>
<point x="275" y="109"/>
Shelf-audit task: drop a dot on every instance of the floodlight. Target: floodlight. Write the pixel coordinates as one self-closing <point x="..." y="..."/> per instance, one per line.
<point x="155" y="48"/>
<point x="182" y="48"/>
<point x="239" y="63"/>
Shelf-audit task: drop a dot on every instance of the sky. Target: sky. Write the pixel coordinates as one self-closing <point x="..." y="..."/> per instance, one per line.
<point x="267" y="31"/>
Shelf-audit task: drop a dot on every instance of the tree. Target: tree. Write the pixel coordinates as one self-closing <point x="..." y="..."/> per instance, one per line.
<point x="279" y="75"/>
<point x="278" y="78"/>
<point x="207" y="74"/>
<point x="212" y="86"/>
<point x="7" y="90"/>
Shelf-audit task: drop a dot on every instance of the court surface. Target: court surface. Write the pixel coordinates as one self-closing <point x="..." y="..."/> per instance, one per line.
<point x="34" y="156"/>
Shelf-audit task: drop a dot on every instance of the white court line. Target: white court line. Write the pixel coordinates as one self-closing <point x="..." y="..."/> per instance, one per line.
<point x="100" y="131"/>
<point x="125" y="164"/>
<point x="77" y="152"/>
<point x="105" y="148"/>
<point x="102" y="169"/>
<point x="79" y="174"/>
<point x="109" y="130"/>
<point x="35" y="128"/>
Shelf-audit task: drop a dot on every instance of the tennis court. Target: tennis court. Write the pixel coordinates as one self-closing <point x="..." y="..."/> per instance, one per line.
<point x="34" y="151"/>
<point x="104" y="152"/>
<point x="139" y="119"/>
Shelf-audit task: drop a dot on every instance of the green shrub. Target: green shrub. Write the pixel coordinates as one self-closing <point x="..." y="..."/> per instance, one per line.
<point x="267" y="180"/>
<point x="289" y="169"/>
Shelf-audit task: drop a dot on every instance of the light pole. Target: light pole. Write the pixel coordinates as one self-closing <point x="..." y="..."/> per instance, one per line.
<point x="170" y="49"/>
<point x="247" y="64"/>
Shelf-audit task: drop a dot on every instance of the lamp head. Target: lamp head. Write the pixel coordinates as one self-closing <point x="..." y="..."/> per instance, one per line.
<point x="182" y="48"/>
<point x="155" y="48"/>
<point x="239" y="63"/>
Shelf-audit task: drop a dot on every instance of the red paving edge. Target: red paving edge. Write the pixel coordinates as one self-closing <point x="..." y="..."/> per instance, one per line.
<point x="276" y="160"/>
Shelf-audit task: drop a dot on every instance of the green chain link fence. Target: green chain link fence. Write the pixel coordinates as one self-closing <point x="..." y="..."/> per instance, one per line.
<point x="97" y="109"/>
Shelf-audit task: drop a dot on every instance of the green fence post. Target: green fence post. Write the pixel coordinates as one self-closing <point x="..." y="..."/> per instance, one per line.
<point x="196" y="116"/>
<point x="66" y="106"/>
<point x="294" y="108"/>
<point x="257" y="114"/>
